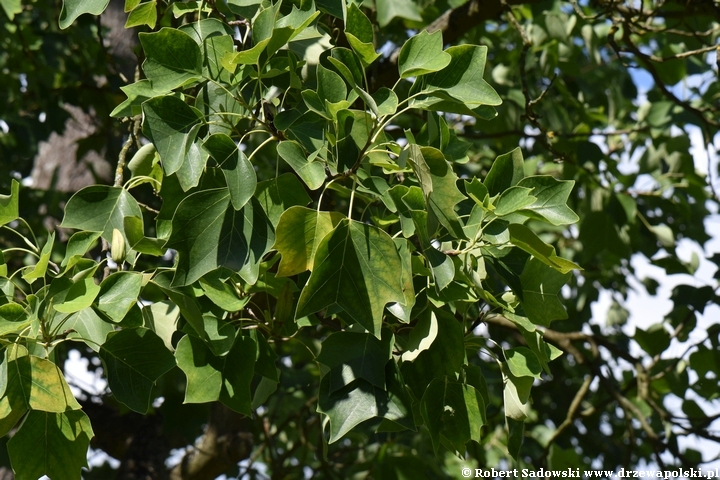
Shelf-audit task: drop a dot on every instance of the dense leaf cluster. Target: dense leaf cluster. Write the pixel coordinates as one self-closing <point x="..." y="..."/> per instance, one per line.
<point x="316" y="232"/>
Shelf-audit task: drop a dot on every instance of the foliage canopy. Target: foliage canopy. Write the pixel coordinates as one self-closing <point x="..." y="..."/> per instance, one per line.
<point x="322" y="215"/>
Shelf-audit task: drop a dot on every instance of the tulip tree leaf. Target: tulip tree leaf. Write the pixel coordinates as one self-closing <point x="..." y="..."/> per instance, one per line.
<point x="239" y="172"/>
<point x="507" y="170"/>
<point x="359" y="33"/>
<point x="551" y="204"/>
<point x="72" y="9"/>
<point x="516" y="395"/>
<point x="209" y="233"/>
<point x="356" y="267"/>
<point x="40" y="268"/>
<point x="51" y="444"/>
<point x="422" y="54"/>
<point x="9" y="209"/>
<point x="76" y="296"/>
<point x="522" y="362"/>
<point x="143" y="14"/>
<point x="311" y="172"/>
<point x="118" y="293"/>
<point x="439" y="186"/>
<point x="172" y="125"/>
<point x="173" y="58"/>
<point x="279" y="194"/>
<point x="461" y="81"/>
<point x="453" y="411"/>
<point x="298" y="234"/>
<point x="100" y="208"/>
<point x="352" y="355"/>
<point x="40" y="384"/>
<point x="210" y="378"/>
<point x="387" y="10"/>
<point x="521" y="236"/>
<point x="540" y="287"/>
<point x="134" y="360"/>
<point x="359" y="401"/>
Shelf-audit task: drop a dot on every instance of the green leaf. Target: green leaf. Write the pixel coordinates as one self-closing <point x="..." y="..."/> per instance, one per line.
<point x="540" y="287"/>
<point x="40" y="385"/>
<point x="512" y="200"/>
<point x="506" y="171"/>
<point x="173" y="58"/>
<point x="11" y="8"/>
<point x="172" y="125"/>
<point x="439" y="186"/>
<point x="143" y="14"/>
<point x="461" y="81"/>
<point x="222" y="294"/>
<point x="239" y="172"/>
<point x="654" y="340"/>
<point x="202" y="369"/>
<point x="516" y="395"/>
<point x="348" y="407"/>
<point x="386" y="101"/>
<point x="72" y="9"/>
<point x="330" y="85"/>
<point x="74" y="296"/>
<point x="355" y="268"/>
<point x="352" y="355"/>
<point x="100" y="208"/>
<point x="137" y="93"/>
<point x="87" y="326"/>
<point x="336" y="8"/>
<point x="136" y="239"/>
<point x="437" y="350"/>
<point x="389" y="9"/>
<point x="161" y="317"/>
<point x="9" y="208"/>
<point x="311" y="172"/>
<point x="298" y="234"/>
<point x="134" y="360"/>
<point x="522" y="362"/>
<point x="226" y="378"/>
<point x="357" y="402"/>
<point x="279" y="194"/>
<point x="51" y="444"/>
<point x="404" y="310"/>
<point x="13" y="318"/>
<point x="118" y="293"/>
<point x="521" y="236"/>
<point x="551" y="204"/>
<point x="359" y="34"/>
<point x="347" y="63"/>
<point x="422" y="54"/>
<point x="209" y="233"/>
<point x="77" y="247"/>
<point x="454" y="411"/>
<point x="40" y="268"/>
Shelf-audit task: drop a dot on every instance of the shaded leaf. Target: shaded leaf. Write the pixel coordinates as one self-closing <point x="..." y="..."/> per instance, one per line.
<point x="100" y="208"/>
<point x="134" y="360"/>
<point x="209" y="233"/>
<point x="454" y="411"/>
<point x="298" y="234"/>
<point x="355" y="268"/>
<point x="51" y="444"/>
<point x="540" y="287"/>
<point x="173" y="58"/>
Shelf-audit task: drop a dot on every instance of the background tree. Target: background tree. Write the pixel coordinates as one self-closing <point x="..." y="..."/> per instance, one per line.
<point x="324" y="232"/>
